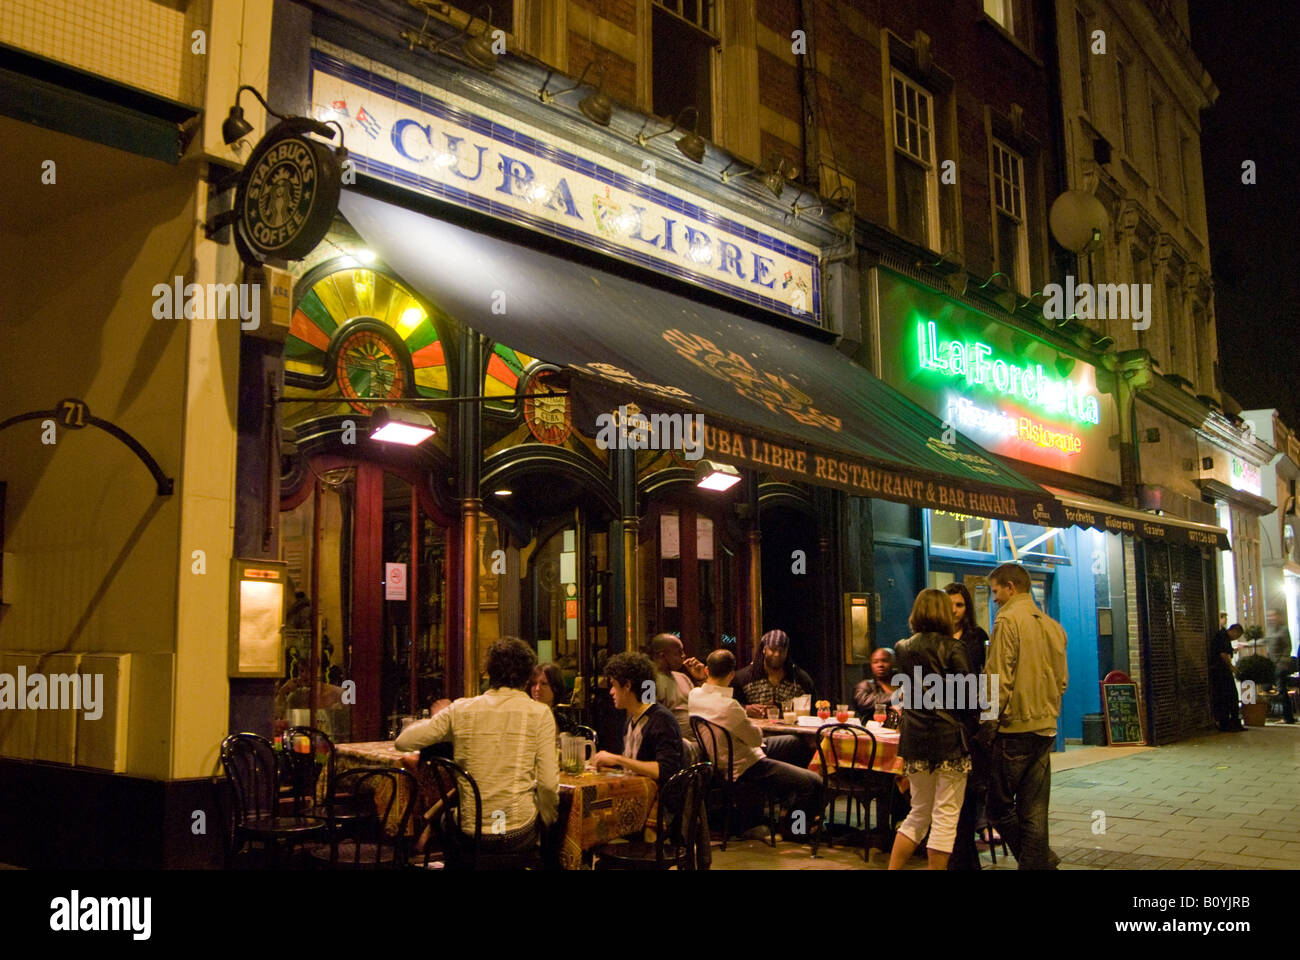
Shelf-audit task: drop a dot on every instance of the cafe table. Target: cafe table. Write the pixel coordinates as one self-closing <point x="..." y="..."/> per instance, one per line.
<point x="887" y="758"/>
<point x="598" y="807"/>
<point x="595" y="807"/>
<point x="382" y="753"/>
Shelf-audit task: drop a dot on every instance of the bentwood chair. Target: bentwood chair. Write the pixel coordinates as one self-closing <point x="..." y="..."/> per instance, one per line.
<point x="677" y="827"/>
<point x="254" y="773"/>
<point x="446" y="845"/>
<point x="308" y="756"/>
<point x="378" y="811"/>
<point x="723" y="784"/>
<point x="853" y="778"/>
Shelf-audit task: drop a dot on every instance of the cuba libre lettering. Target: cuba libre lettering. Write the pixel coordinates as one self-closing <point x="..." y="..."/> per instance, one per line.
<point x="970" y="361"/>
<point x="415" y="142"/>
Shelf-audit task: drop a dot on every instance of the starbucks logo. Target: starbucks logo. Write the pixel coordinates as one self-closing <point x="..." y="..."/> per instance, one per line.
<point x="288" y="195"/>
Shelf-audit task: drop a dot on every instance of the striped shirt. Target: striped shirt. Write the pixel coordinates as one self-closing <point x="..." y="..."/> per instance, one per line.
<point x="506" y="741"/>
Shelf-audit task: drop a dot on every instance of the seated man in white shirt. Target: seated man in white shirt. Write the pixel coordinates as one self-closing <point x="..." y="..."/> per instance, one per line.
<point x="505" y="740"/>
<point x="798" y="789"/>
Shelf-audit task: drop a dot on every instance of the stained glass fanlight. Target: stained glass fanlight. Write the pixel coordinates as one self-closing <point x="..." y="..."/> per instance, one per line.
<point x="360" y="335"/>
<point x="505" y="369"/>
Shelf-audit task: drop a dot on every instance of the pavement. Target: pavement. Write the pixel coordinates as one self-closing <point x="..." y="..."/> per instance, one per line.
<point x="1221" y="801"/>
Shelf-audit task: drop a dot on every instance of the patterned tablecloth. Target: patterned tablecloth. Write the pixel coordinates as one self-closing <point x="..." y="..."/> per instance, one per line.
<point x="887" y="758"/>
<point x="596" y="808"/>
<point x="382" y="753"/>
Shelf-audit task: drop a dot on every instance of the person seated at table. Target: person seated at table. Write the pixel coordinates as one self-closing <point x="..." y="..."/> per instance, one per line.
<point x="932" y="741"/>
<point x="652" y="743"/>
<point x="772" y="677"/>
<point x="874" y="693"/>
<point x="795" y="787"/>
<point x="505" y="740"/>
<point x="673" y="685"/>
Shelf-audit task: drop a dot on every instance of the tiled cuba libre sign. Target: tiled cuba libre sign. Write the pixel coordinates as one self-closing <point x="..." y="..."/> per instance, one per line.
<point x="446" y="147"/>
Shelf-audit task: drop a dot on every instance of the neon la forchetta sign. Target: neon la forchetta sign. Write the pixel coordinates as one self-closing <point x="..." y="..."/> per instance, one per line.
<point x="978" y="365"/>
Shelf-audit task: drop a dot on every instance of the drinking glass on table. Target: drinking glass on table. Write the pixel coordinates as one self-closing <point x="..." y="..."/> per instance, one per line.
<point x="773" y="712"/>
<point x="842" y="713"/>
<point x="880" y="714"/>
<point x="787" y="710"/>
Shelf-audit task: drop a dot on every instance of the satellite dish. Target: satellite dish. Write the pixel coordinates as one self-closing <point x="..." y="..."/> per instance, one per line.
<point x="1078" y="221"/>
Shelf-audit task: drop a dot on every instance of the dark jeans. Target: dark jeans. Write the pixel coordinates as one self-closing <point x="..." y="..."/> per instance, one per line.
<point x="789" y="749"/>
<point x="510" y="851"/>
<point x="797" y="788"/>
<point x="1282" y="686"/>
<point x="1223" y="696"/>
<point x="1020" y="785"/>
<point x="965" y="855"/>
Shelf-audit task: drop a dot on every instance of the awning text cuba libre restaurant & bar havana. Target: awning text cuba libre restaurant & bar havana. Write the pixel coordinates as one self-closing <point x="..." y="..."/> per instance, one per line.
<point x="869" y="480"/>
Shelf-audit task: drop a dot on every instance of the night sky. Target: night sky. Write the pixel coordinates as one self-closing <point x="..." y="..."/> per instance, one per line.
<point x="1252" y="52"/>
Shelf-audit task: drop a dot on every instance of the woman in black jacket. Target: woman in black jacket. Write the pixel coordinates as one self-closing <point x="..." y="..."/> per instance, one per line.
<point x="972" y="636"/>
<point x="932" y="740"/>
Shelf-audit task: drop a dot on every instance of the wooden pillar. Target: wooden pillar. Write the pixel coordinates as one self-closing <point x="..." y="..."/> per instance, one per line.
<point x="629" y="623"/>
<point x="469" y="461"/>
<point x="753" y="539"/>
<point x="471" y="664"/>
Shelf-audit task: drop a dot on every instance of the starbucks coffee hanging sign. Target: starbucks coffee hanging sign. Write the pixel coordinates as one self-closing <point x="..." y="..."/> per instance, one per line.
<point x="288" y="193"/>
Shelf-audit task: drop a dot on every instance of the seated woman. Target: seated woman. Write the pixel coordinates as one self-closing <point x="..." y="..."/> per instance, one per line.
<point x="546" y="685"/>
<point x="652" y="741"/>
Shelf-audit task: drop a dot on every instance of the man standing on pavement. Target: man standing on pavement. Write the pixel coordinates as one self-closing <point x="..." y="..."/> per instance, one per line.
<point x="1027" y="656"/>
<point x="1223" y="689"/>
<point x="1280" y="652"/>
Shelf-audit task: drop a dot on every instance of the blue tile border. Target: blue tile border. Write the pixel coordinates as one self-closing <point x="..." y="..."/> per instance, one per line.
<point x="500" y="133"/>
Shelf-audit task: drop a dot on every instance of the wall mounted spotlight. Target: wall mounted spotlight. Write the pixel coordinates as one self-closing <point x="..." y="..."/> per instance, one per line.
<point x="397" y="425"/>
<point x="475" y="49"/>
<point x="711" y="475"/>
<point x="774" y="173"/>
<point x="1003" y="296"/>
<point x="690" y="144"/>
<point x="595" y="106"/>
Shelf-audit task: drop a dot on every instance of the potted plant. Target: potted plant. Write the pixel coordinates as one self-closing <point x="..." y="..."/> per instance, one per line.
<point x="1262" y="672"/>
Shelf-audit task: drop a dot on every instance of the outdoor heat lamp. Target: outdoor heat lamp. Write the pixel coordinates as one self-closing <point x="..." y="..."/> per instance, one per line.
<point x="407" y="427"/>
<point x="710" y="475"/>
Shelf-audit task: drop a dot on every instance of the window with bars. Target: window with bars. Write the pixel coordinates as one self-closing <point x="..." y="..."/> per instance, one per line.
<point x="1121" y="86"/>
<point x="683" y="40"/>
<point x="916" y="190"/>
<point x="1085" y="61"/>
<point x="1009" y="211"/>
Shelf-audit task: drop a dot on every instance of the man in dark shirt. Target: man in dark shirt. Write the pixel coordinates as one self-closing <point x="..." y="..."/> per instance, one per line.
<point x="652" y="742"/>
<point x="1223" y="692"/>
<point x="772" y="677"/>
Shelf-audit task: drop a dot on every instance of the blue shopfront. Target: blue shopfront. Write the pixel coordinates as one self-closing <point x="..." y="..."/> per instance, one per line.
<point x="1022" y="396"/>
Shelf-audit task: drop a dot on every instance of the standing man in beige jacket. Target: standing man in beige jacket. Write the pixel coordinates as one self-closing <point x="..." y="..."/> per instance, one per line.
<point x="1027" y="656"/>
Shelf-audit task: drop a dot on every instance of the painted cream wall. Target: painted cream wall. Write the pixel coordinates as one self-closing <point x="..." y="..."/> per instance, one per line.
<point x="93" y="545"/>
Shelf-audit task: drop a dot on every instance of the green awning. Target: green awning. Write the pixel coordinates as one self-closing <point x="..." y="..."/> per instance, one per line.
<point x="771" y="400"/>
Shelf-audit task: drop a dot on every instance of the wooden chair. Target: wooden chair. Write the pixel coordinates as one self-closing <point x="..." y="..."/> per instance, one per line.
<point x="722" y="783"/>
<point x="677" y="827"/>
<point x="855" y="780"/>
<point x="254" y="773"/>
<point x="371" y="834"/>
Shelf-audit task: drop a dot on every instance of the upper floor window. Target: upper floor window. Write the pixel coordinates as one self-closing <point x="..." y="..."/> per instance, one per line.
<point x="502" y="11"/>
<point x="1013" y="17"/>
<point x="683" y="40"/>
<point x="1121" y="87"/>
<point x="1009" y="213"/>
<point x="916" y="189"/>
<point x="1157" y="122"/>
<point x="1085" y="61"/>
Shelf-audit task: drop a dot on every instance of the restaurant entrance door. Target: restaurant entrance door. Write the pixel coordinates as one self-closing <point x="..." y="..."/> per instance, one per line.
<point x="366" y="633"/>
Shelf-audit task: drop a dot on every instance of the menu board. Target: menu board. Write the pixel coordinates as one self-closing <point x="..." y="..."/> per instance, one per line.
<point x="1123" y="721"/>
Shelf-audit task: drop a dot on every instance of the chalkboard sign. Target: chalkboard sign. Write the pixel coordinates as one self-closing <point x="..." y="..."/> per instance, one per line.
<point x="1123" y="722"/>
